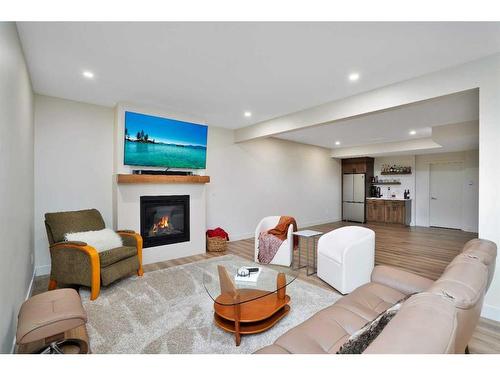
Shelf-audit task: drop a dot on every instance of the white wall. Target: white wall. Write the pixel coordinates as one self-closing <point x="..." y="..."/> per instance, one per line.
<point x="73" y="163"/>
<point x="407" y="181"/>
<point x="470" y="187"/>
<point x="16" y="182"/>
<point x="419" y="184"/>
<point x="265" y="177"/>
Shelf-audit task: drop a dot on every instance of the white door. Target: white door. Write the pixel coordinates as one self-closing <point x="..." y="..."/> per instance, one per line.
<point x="446" y="181"/>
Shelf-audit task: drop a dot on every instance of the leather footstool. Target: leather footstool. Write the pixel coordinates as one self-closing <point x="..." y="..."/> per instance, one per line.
<point x="46" y="317"/>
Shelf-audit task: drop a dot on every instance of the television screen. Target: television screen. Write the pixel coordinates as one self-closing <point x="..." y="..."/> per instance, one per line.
<point x="161" y="142"/>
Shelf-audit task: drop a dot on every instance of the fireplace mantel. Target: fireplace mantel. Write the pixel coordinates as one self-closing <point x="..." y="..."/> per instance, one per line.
<point x="161" y="179"/>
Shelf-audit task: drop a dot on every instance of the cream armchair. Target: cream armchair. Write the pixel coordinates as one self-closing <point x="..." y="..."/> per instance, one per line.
<point x="346" y="257"/>
<point x="284" y="254"/>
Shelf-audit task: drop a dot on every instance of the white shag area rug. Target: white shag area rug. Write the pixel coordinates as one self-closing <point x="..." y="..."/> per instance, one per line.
<point x="169" y="311"/>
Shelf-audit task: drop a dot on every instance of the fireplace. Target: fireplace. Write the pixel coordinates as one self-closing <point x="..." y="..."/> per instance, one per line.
<point x="164" y="219"/>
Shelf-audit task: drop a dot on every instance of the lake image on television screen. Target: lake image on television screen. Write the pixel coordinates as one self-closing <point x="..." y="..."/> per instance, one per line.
<point x="164" y="155"/>
<point x="162" y="142"/>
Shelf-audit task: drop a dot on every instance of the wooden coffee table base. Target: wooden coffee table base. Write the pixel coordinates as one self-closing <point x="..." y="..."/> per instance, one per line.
<point x="253" y="327"/>
<point x="262" y="311"/>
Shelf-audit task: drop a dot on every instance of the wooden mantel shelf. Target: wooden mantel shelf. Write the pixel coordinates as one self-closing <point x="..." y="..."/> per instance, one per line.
<point x="161" y="179"/>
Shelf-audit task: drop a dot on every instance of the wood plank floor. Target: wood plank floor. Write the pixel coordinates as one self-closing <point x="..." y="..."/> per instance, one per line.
<point x="425" y="251"/>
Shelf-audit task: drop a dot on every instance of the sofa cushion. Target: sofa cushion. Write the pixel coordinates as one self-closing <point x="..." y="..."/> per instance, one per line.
<point x="116" y="271"/>
<point x="323" y="333"/>
<point x="363" y="337"/>
<point x="425" y="324"/>
<point x="399" y="279"/>
<point x="112" y="256"/>
<point x="369" y="300"/>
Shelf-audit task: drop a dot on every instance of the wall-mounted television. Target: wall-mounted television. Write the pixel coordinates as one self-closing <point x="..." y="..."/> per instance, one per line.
<point x="153" y="141"/>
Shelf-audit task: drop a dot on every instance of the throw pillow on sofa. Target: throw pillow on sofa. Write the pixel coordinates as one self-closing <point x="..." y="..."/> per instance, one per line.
<point x="362" y="338"/>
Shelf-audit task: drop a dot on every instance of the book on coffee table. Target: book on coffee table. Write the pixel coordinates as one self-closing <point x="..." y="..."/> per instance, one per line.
<point x="251" y="278"/>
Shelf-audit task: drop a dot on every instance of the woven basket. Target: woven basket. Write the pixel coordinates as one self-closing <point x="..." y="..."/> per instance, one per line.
<point x="216" y="244"/>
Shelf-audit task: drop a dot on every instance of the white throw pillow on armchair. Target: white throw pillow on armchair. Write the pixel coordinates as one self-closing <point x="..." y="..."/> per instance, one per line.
<point x="101" y="240"/>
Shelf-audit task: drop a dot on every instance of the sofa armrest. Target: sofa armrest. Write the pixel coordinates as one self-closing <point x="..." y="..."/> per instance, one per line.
<point x="396" y="278"/>
<point x="133" y="239"/>
<point x="129" y="237"/>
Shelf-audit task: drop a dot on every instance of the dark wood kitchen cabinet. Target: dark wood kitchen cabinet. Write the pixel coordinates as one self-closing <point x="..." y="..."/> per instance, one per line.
<point x="358" y="165"/>
<point x="375" y="211"/>
<point x="395" y="212"/>
<point x="388" y="211"/>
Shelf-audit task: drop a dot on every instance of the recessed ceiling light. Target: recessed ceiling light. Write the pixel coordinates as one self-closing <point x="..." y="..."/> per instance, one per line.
<point x="353" y="77"/>
<point x="88" y="74"/>
<point x="337" y="143"/>
<point x="413" y="132"/>
<point x="247" y="114"/>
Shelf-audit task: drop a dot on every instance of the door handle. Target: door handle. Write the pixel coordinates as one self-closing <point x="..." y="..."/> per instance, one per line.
<point x="434" y="198"/>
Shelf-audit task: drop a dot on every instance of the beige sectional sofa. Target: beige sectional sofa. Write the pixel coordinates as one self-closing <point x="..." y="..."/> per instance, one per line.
<point x="439" y="318"/>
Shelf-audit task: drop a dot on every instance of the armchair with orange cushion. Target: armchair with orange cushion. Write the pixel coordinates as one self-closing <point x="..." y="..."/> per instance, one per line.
<point x="75" y="262"/>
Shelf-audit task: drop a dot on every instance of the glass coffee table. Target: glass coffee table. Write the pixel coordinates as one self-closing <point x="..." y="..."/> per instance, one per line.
<point x="244" y="307"/>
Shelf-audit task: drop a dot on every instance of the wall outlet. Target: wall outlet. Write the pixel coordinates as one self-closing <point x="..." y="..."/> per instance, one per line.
<point x="32" y="258"/>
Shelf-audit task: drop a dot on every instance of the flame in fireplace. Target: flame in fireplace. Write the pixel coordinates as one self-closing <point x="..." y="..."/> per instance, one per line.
<point x="161" y="224"/>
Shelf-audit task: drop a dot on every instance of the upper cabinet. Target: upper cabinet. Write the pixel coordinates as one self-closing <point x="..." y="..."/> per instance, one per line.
<point x="358" y="165"/>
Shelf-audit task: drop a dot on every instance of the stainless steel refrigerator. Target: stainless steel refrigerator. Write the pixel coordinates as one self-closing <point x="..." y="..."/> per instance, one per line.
<point x="353" y="197"/>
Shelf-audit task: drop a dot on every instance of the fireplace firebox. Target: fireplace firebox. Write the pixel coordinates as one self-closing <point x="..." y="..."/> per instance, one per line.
<point x="164" y="219"/>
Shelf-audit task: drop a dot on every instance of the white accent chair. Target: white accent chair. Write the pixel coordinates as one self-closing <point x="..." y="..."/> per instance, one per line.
<point x="284" y="255"/>
<point x="346" y="257"/>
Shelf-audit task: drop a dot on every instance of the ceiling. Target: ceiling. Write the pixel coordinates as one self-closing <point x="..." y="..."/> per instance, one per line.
<point x="216" y="71"/>
<point x="395" y="125"/>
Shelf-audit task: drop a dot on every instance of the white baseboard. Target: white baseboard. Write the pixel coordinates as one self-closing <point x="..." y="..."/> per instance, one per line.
<point x="30" y="287"/>
<point x="491" y="312"/>
<point x="319" y="222"/>
<point x="241" y="236"/>
<point x="42" y="270"/>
